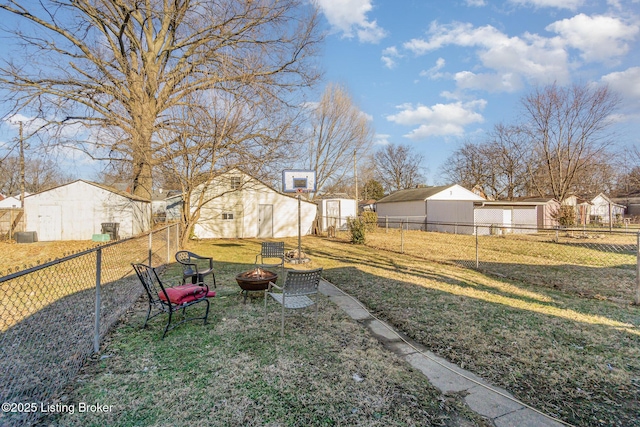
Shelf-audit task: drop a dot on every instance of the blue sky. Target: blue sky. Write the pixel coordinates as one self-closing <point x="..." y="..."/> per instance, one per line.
<point x="434" y="74"/>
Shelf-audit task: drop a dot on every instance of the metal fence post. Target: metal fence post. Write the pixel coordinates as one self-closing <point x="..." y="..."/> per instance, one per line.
<point x="177" y="236"/>
<point x="477" y="257"/>
<point x="168" y="243"/>
<point x="96" y="333"/>
<point x="637" y="300"/>
<point x="401" y="237"/>
<point x="150" y="246"/>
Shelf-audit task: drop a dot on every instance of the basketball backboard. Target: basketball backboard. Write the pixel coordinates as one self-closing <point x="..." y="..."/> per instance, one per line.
<point x="296" y="181"/>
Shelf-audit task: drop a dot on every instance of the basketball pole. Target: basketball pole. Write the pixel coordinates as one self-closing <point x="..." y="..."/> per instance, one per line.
<point x="299" y="229"/>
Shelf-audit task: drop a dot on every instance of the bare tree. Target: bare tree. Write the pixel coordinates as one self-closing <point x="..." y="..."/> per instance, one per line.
<point x="123" y="69"/>
<point x="339" y="129"/>
<point x="228" y="132"/>
<point x="468" y="166"/>
<point x="398" y="167"/>
<point x="40" y="174"/>
<point x="569" y="131"/>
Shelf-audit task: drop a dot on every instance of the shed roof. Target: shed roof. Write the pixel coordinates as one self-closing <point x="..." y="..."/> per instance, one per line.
<point x="103" y="187"/>
<point x="413" y="194"/>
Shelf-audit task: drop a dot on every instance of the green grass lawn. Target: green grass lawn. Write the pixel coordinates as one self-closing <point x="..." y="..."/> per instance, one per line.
<point x="567" y="354"/>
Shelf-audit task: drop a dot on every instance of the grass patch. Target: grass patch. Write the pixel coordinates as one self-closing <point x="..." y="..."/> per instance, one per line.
<point x="573" y="357"/>
<point x="237" y="370"/>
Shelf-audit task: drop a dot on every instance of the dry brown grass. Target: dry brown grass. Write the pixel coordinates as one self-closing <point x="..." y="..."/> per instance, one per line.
<point x="573" y="357"/>
<point x="19" y="256"/>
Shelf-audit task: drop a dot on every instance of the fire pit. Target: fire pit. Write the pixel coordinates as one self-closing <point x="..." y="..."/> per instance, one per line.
<point x="255" y="280"/>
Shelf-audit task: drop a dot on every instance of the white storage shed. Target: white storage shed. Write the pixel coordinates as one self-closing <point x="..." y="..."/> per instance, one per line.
<point x="334" y="210"/>
<point x="241" y="206"/>
<point x="76" y="211"/>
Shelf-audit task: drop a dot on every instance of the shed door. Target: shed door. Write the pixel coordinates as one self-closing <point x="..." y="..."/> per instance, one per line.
<point x="265" y="221"/>
<point x="333" y="213"/>
<point x="50" y="223"/>
<point x="507" y="218"/>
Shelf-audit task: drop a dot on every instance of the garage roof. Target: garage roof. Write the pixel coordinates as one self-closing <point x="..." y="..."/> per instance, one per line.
<point x="413" y="194"/>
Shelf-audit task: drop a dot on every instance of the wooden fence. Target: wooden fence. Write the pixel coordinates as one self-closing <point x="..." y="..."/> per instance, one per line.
<point x="11" y="222"/>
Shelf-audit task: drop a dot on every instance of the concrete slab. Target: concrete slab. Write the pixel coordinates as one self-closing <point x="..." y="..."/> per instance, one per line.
<point x="443" y="379"/>
<point x="400" y="348"/>
<point x="383" y="331"/>
<point x="525" y="418"/>
<point x="490" y="404"/>
<point x="329" y="289"/>
<point x="352" y="308"/>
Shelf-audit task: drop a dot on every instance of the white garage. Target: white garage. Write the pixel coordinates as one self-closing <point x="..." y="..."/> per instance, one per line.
<point x="76" y="211"/>
<point x="240" y="206"/>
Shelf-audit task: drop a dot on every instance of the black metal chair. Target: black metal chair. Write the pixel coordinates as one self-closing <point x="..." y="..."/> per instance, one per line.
<point x="269" y="253"/>
<point x="171" y="299"/>
<point x="298" y="286"/>
<point x="190" y="269"/>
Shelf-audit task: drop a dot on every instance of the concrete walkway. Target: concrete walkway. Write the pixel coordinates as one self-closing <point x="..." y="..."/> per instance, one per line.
<point x="493" y="403"/>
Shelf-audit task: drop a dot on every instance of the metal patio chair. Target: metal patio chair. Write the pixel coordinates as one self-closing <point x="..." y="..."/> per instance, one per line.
<point x="298" y="286"/>
<point x="171" y="299"/>
<point x="190" y="269"/>
<point x="271" y="255"/>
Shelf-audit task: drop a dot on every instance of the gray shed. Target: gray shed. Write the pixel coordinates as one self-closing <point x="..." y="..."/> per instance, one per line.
<point x="446" y="208"/>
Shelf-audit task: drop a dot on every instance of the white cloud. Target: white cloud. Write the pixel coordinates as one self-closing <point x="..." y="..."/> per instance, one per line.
<point x="509" y="60"/>
<point x="434" y="72"/>
<point x="381" y="139"/>
<point x="598" y="37"/>
<point x="439" y="119"/>
<point x="560" y="4"/>
<point x="350" y="17"/>
<point x="388" y="56"/>
<point x="476" y="3"/>
<point x="626" y="83"/>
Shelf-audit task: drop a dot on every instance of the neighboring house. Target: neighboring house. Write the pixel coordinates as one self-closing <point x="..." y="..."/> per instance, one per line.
<point x="76" y="211"/>
<point x="447" y="208"/>
<point x="603" y="208"/>
<point x="11" y="202"/>
<point x="241" y="206"/>
<point x="367" y="205"/>
<point x="582" y="208"/>
<point x="631" y="203"/>
<point x="334" y="209"/>
<point x="166" y="205"/>
<point x="521" y="216"/>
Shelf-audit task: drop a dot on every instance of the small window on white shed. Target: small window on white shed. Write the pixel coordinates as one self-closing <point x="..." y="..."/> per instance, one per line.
<point x="236" y="182"/>
<point x="227" y="215"/>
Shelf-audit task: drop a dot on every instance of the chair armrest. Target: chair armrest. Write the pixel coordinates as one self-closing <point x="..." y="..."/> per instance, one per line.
<point x="204" y="257"/>
<point x="273" y="285"/>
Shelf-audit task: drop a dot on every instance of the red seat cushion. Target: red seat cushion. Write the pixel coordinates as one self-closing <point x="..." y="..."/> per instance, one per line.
<point x="185" y="293"/>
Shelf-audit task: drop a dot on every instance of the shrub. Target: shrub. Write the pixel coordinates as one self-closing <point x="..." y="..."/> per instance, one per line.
<point x="370" y="219"/>
<point x="566" y="216"/>
<point x="357" y="230"/>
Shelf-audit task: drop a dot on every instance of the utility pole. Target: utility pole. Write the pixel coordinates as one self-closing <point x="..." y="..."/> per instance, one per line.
<point x="22" y="185"/>
<point x="355" y="174"/>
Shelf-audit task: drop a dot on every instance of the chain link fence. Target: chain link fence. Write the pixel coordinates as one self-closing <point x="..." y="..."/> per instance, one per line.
<point x="592" y="262"/>
<point x="53" y="316"/>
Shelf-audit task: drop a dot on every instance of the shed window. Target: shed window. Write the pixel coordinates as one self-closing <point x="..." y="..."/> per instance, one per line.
<point x="236" y="182"/>
<point x="227" y="215"/>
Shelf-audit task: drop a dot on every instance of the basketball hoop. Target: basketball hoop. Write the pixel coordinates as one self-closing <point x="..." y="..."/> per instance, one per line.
<point x="299" y="190"/>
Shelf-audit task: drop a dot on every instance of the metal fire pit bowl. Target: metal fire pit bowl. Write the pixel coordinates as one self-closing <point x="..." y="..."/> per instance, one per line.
<point x="255" y="280"/>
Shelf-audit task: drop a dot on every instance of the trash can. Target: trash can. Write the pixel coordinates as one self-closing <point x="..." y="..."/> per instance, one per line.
<point x="111" y="228"/>
<point x="26" y="237"/>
